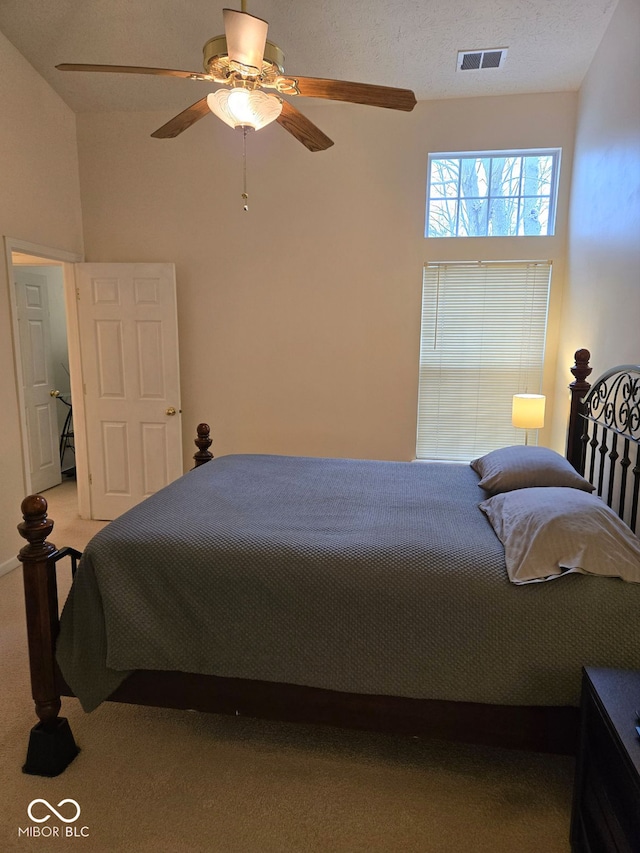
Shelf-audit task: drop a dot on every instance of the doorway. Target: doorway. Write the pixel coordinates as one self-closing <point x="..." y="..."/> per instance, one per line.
<point x="54" y="267"/>
<point x="42" y="330"/>
<point x="122" y="317"/>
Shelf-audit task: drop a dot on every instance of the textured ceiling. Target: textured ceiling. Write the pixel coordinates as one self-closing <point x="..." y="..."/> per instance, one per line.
<point x="405" y="43"/>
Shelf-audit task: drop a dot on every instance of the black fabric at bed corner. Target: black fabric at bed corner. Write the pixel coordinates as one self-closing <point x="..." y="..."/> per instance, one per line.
<point x="369" y="577"/>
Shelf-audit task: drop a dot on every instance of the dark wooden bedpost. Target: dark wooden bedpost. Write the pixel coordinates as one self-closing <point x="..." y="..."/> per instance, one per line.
<point x="579" y="388"/>
<point x="51" y="743"/>
<point x="203" y="443"/>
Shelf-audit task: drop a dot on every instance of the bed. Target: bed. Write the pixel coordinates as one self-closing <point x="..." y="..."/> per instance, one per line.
<point x="367" y="594"/>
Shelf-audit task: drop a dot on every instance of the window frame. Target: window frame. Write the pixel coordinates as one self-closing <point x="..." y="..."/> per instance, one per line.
<point x="554" y="153"/>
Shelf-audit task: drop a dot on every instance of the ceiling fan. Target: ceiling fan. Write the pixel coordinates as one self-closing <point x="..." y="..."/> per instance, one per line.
<point x="246" y="63"/>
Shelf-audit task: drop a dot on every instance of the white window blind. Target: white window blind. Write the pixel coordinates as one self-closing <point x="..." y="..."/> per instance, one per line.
<point x="483" y="338"/>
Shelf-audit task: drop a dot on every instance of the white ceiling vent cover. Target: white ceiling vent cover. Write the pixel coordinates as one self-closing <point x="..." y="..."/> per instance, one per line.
<point x="479" y="60"/>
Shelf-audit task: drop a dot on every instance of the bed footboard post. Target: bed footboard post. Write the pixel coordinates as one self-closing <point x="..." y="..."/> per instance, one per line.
<point x="203" y="443"/>
<point x="576" y="430"/>
<point x="51" y="743"/>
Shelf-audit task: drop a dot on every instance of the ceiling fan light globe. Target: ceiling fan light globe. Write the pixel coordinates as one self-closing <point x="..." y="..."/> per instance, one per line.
<point x="244" y="107"/>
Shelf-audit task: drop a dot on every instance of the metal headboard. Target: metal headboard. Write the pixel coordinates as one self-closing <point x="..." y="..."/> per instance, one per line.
<point x="609" y="416"/>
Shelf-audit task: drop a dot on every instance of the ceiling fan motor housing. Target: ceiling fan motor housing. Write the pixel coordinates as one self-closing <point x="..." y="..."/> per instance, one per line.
<point x="217" y="64"/>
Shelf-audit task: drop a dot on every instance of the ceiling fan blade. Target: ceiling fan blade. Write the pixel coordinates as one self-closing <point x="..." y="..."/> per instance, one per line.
<point x="134" y="69"/>
<point x="341" y="90"/>
<point x="302" y="128"/>
<point x="183" y="120"/>
<point x="246" y="38"/>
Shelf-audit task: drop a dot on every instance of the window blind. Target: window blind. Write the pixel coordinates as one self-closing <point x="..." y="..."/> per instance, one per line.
<point x="482" y="341"/>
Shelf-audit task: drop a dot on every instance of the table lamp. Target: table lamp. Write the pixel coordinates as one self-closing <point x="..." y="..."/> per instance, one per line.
<point x="528" y="412"/>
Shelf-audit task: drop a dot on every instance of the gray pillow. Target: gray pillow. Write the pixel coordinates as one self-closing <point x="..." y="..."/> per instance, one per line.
<point x="523" y="467"/>
<point x="548" y="532"/>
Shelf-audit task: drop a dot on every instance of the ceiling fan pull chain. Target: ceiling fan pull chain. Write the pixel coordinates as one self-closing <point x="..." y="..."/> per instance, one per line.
<point x="245" y="195"/>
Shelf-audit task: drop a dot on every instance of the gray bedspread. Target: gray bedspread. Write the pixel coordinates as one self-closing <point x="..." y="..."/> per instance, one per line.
<point x="367" y="577"/>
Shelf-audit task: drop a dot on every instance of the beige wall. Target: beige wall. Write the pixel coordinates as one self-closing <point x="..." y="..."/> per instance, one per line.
<point x="39" y="203"/>
<point x="299" y="320"/>
<point x="602" y="303"/>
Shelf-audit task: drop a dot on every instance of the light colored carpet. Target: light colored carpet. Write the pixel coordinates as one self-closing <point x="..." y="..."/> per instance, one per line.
<point x="171" y="782"/>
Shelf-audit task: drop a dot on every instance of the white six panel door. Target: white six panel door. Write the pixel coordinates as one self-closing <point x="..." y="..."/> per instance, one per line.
<point x="129" y="344"/>
<point x="38" y="378"/>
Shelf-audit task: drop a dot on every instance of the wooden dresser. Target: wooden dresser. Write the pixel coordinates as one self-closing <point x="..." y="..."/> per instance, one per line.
<point x="606" y="802"/>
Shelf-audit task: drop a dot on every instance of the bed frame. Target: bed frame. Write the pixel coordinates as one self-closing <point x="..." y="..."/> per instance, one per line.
<point x="603" y="443"/>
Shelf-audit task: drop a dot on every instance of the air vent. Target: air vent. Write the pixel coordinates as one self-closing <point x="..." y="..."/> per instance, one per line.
<point x="478" y="60"/>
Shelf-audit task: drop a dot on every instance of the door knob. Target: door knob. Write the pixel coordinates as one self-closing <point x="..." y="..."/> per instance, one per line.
<point x="54" y="393"/>
<point x="170" y="411"/>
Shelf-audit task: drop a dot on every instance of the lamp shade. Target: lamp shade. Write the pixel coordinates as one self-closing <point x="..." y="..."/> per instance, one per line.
<point x="528" y="411"/>
<point x="244" y="107"/>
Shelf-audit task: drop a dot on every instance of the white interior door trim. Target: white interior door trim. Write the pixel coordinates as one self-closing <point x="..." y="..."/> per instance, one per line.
<point x="67" y="259"/>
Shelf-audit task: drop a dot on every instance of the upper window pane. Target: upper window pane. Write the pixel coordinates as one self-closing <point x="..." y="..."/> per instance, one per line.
<point x="445" y="178"/>
<point x="492" y="194"/>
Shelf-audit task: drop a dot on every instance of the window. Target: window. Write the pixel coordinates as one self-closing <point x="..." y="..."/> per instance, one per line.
<point x="492" y="194"/>
<point x="482" y="341"/>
